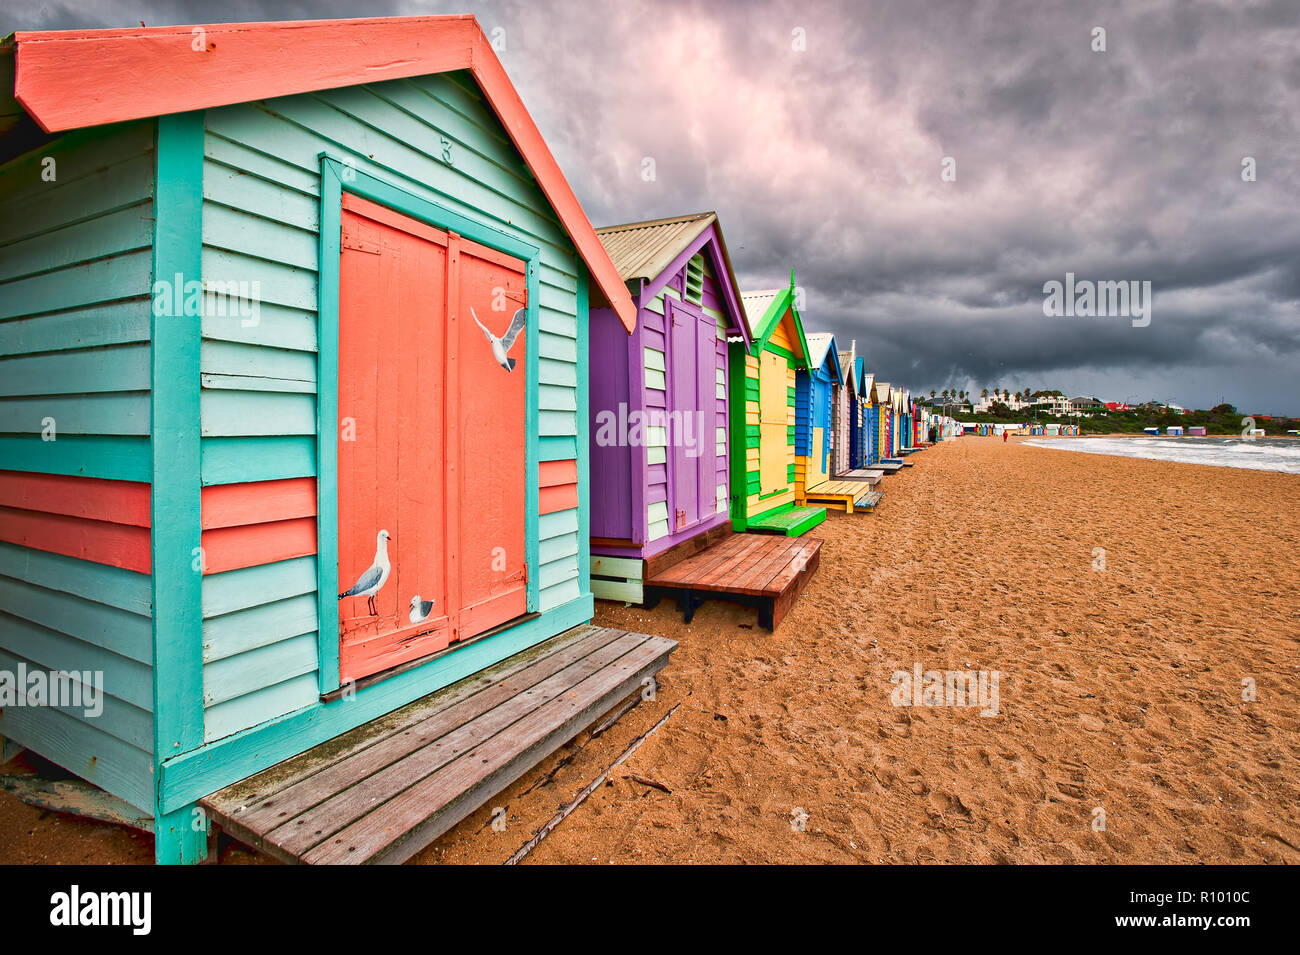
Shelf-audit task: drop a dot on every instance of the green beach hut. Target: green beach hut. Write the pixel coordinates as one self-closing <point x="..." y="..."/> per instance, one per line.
<point x="762" y="416"/>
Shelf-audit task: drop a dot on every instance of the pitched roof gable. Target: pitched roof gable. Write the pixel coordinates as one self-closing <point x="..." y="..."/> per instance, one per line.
<point x="767" y="309"/>
<point x="69" y="79"/>
<point x="646" y="251"/>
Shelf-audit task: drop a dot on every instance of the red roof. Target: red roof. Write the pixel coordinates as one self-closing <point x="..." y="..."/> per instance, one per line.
<point x="68" y="79"/>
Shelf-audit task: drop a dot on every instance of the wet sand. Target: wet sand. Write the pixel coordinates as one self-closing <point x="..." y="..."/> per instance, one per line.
<point x="1120" y="689"/>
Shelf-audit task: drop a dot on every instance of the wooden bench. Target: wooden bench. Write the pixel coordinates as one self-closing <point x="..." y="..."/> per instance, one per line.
<point x="843" y="495"/>
<point x="385" y="790"/>
<point x="766" y="571"/>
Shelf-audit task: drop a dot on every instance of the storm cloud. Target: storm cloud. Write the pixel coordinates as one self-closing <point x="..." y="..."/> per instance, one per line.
<point x="819" y="131"/>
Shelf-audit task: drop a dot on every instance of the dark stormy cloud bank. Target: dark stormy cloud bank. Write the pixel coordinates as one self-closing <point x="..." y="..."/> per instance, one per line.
<point x="818" y="131"/>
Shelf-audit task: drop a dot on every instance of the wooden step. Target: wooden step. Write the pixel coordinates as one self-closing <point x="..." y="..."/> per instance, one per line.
<point x="791" y="521"/>
<point x="386" y="790"/>
<point x="765" y="570"/>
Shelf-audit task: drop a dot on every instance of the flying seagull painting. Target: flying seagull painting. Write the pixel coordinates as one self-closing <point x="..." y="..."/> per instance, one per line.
<point x="420" y="609"/>
<point x="374" y="576"/>
<point x="502" y="345"/>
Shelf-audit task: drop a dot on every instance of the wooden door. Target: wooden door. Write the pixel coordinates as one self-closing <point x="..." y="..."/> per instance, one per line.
<point x="683" y="401"/>
<point x="431" y="439"/>
<point x="491" y="415"/>
<point x="773" y="437"/>
<point x="692" y="452"/>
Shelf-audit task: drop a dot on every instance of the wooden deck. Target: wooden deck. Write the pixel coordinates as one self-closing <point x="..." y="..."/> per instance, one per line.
<point x="889" y="467"/>
<point x="870" y="476"/>
<point x="385" y="790"/>
<point x="791" y="521"/>
<point x="844" y="495"/>
<point x="767" y="571"/>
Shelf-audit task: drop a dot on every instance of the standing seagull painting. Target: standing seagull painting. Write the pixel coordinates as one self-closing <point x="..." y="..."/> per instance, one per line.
<point x="502" y="345"/>
<point x="373" y="577"/>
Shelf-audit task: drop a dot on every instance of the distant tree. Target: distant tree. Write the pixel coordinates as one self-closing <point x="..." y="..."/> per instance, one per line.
<point x="984" y="393"/>
<point x="931" y="393"/>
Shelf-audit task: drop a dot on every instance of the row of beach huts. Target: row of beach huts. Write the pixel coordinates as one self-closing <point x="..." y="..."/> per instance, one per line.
<point x="320" y="393"/>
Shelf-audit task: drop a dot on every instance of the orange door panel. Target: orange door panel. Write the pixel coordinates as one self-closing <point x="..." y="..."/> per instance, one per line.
<point x="431" y="440"/>
<point x="493" y="560"/>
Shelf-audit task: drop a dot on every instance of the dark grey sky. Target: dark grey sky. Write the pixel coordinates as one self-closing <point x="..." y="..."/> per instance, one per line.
<point x="1123" y="164"/>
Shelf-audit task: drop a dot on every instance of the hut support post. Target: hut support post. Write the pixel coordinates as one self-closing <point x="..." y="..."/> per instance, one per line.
<point x="177" y="556"/>
<point x="181" y="837"/>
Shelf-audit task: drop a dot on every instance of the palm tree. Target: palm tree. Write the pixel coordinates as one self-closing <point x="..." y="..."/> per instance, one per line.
<point x="932" y="393"/>
<point x="984" y="393"/>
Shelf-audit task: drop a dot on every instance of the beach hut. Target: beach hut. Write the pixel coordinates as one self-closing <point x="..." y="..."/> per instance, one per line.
<point x="815" y="479"/>
<point x="868" y="436"/>
<point x="813" y="430"/>
<point x="847" y="415"/>
<point x="883" y="418"/>
<point x="294" y="408"/>
<point x="1199" y="431"/>
<point x="1174" y="430"/>
<point x="763" y="417"/>
<point x="658" y="409"/>
<point x="1150" y="430"/>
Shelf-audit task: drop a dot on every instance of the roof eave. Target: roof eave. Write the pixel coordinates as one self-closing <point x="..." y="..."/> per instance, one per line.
<point x="80" y="78"/>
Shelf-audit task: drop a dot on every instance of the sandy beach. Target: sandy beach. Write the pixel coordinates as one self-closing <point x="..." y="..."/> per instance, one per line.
<point x="1121" y="690"/>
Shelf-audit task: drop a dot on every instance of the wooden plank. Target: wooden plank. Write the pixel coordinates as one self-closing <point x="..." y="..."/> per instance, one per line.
<point x="687" y="548"/>
<point x="488" y="768"/>
<point x="761" y="575"/>
<point x="626" y="591"/>
<point x="346" y="793"/>
<point x="625" y="567"/>
<point x="808" y="548"/>
<point x="696" y="568"/>
<point x="782" y="604"/>
<point x="76" y="798"/>
<point x="268" y="820"/>
<point x="711" y="567"/>
<point x="744" y="573"/>
<point x="698" y="571"/>
<point x="237" y="804"/>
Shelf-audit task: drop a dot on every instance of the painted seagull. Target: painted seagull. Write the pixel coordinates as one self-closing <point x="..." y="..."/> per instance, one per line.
<point x="374" y="576"/>
<point x="502" y="345"/>
<point x="420" y="609"/>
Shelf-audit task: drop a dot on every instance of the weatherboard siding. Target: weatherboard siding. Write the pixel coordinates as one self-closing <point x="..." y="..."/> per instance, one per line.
<point x="75" y="280"/>
<point x="261" y="218"/>
<point x="75" y="314"/>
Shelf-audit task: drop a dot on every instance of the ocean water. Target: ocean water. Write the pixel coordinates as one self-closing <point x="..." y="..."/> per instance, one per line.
<point x="1262" y="454"/>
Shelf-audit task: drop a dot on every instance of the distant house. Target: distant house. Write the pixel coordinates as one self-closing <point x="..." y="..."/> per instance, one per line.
<point x="1057" y="405"/>
<point x="1086" y="406"/>
<point x="1013" y="402"/>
